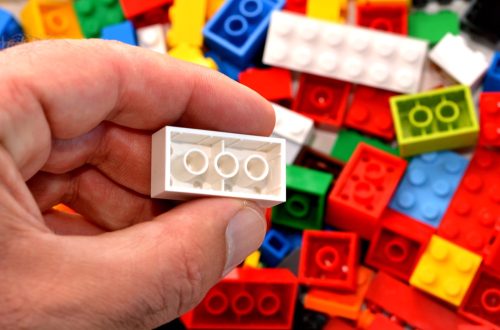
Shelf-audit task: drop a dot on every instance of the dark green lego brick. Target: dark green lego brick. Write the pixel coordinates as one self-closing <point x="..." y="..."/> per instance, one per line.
<point x="348" y="140"/>
<point x="433" y="26"/>
<point x="94" y="15"/>
<point x="306" y="192"/>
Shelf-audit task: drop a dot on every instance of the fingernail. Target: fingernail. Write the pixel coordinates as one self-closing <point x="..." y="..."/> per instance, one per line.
<point x="244" y="235"/>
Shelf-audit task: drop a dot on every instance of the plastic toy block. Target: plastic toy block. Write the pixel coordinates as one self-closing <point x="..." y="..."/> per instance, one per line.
<point x="342" y="304"/>
<point x="187" y="19"/>
<point x="348" y="53"/>
<point x="381" y="322"/>
<point x="445" y="270"/>
<point x="274" y="248"/>
<point x="123" y="32"/>
<point x="492" y="255"/>
<point x="322" y="99"/>
<point x="363" y="190"/>
<point x="316" y="160"/>
<point x="253" y="260"/>
<point x="93" y="15"/>
<point x="492" y="79"/>
<point x="306" y="192"/>
<point x="398" y="244"/>
<point x="248" y="298"/>
<point x="370" y="112"/>
<point x="308" y="319"/>
<point x="452" y="52"/>
<point x="272" y="83"/>
<point x="134" y="8"/>
<point x="328" y="10"/>
<point x="188" y="163"/>
<point x="224" y="66"/>
<point x="297" y="6"/>
<point x="10" y="30"/>
<point x="409" y="305"/>
<point x="436" y="120"/>
<point x="291" y="261"/>
<point x="292" y="126"/>
<point x="474" y="211"/>
<point x="482" y="19"/>
<point x="50" y="20"/>
<point x="408" y="3"/>
<point x="213" y="6"/>
<point x="481" y="304"/>
<point x="348" y="140"/>
<point x="152" y="37"/>
<point x="329" y="260"/>
<point x="432" y="27"/>
<point x="338" y="323"/>
<point x="237" y="31"/>
<point x="428" y="186"/>
<point x="192" y="54"/>
<point x="391" y="18"/>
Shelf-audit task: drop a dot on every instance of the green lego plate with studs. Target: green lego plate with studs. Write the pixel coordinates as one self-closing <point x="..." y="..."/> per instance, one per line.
<point x="306" y="191"/>
<point x="436" y="120"/>
<point x="94" y="15"/>
<point x="433" y="26"/>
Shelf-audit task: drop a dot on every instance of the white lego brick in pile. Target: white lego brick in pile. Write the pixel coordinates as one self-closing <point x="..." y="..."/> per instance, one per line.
<point x="295" y="128"/>
<point x="153" y="37"/>
<point x="455" y="57"/>
<point x="188" y="163"/>
<point x="353" y="54"/>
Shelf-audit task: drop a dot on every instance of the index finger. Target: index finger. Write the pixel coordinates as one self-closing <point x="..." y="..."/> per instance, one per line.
<point x="63" y="89"/>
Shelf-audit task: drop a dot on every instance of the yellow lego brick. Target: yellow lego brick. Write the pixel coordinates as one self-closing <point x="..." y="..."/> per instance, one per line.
<point x="50" y="19"/>
<point x="192" y="54"/>
<point x="213" y="6"/>
<point x="252" y="260"/>
<point x="328" y="10"/>
<point x="404" y="2"/>
<point x="445" y="270"/>
<point x="187" y="19"/>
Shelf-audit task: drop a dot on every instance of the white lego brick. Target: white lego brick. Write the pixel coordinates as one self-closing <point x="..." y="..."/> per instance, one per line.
<point x="292" y="125"/>
<point x="349" y="53"/>
<point x="292" y="150"/>
<point x="153" y="37"/>
<point x="455" y="57"/>
<point x="188" y="163"/>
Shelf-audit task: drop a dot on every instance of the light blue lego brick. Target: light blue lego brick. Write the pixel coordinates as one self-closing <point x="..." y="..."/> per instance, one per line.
<point x="274" y="248"/>
<point x="123" y="32"/>
<point x="492" y="79"/>
<point x="238" y="30"/>
<point x="428" y="186"/>
<point x="10" y="30"/>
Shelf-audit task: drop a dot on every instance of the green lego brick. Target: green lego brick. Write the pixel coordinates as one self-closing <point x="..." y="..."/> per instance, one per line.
<point x="93" y="15"/>
<point x="436" y="120"/>
<point x="433" y="26"/>
<point x="306" y="191"/>
<point x="348" y="140"/>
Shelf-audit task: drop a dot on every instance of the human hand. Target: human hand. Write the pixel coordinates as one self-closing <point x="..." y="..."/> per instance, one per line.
<point x="76" y="120"/>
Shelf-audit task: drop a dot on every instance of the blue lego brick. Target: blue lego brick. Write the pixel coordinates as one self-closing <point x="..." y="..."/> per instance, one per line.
<point x="229" y="69"/>
<point x="10" y="30"/>
<point x="123" y="32"/>
<point x="492" y="79"/>
<point x="428" y="186"/>
<point x="274" y="248"/>
<point x="238" y="30"/>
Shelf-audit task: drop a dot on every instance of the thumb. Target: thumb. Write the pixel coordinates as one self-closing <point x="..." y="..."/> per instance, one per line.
<point x="185" y="251"/>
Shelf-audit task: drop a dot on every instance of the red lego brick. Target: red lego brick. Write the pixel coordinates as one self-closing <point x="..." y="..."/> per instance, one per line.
<point x="482" y="302"/>
<point x="154" y="16"/>
<point x="337" y="323"/>
<point x="273" y="84"/>
<point x="381" y="322"/>
<point x="133" y="8"/>
<point x="474" y="211"/>
<point x="322" y="99"/>
<point x="398" y="244"/>
<point x="409" y="305"/>
<point x="297" y="6"/>
<point x="363" y="190"/>
<point x="489" y="118"/>
<point x="370" y="112"/>
<point x="384" y="17"/>
<point x="329" y="259"/>
<point x="492" y="254"/>
<point x="248" y="298"/>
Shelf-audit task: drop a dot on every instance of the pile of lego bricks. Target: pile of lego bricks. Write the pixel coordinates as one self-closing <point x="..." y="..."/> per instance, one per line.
<point x="390" y="226"/>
